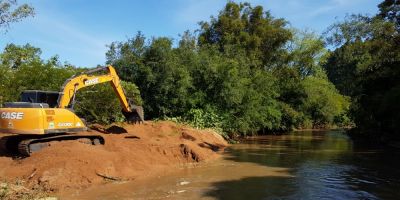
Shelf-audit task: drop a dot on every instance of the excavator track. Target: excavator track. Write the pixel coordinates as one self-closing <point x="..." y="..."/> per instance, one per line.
<point x="23" y="148"/>
<point x="3" y="145"/>
<point x="26" y="145"/>
<point x="8" y="144"/>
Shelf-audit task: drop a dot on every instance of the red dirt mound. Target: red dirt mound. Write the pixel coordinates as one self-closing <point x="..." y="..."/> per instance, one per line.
<point x="145" y="150"/>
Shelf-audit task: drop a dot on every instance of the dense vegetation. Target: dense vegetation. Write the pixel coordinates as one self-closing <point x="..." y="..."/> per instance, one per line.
<point x="244" y="72"/>
<point x="366" y="67"/>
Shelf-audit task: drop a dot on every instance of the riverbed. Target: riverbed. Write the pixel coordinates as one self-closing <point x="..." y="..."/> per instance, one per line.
<point x="301" y="165"/>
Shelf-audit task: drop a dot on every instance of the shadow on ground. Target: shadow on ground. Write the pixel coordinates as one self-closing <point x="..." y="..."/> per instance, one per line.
<point x="252" y="188"/>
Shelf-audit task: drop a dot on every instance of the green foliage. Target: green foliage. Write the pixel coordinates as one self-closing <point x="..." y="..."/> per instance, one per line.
<point x="22" y="69"/>
<point x="15" y="56"/>
<point x="365" y="67"/>
<point x="324" y="104"/>
<point x="292" y="119"/>
<point x="158" y="71"/>
<point x="11" y="14"/>
<point x="307" y="98"/>
<point x="390" y="11"/>
<point x="99" y="104"/>
<point x="307" y="54"/>
<point x="248" y="28"/>
<point x="244" y="73"/>
<point x="200" y="118"/>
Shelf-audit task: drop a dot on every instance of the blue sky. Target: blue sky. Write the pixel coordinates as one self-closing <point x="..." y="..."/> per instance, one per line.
<point x="79" y="30"/>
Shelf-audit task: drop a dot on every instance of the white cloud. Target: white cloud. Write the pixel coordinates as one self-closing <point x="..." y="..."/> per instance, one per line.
<point x="321" y="10"/>
<point x="71" y="36"/>
<point x="194" y="11"/>
<point x="345" y="2"/>
<point x="333" y="5"/>
<point x="57" y="33"/>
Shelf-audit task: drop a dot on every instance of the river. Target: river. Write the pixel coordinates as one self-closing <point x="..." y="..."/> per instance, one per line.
<point x="301" y="165"/>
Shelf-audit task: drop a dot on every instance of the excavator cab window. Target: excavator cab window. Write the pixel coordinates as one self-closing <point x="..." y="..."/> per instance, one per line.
<point x="37" y="96"/>
<point x="35" y="99"/>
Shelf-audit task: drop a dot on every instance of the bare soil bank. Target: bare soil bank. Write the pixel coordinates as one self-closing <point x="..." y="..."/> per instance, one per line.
<point x="144" y="150"/>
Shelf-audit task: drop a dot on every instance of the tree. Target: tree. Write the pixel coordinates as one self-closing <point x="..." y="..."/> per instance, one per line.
<point x="14" y="56"/>
<point x="257" y="33"/>
<point x="245" y="72"/>
<point x="307" y="98"/>
<point x="23" y="69"/>
<point x="390" y="10"/>
<point x="10" y="12"/>
<point x="127" y="57"/>
<point x="245" y="97"/>
<point x="354" y="55"/>
<point x="307" y="53"/>
<point x="365" y="66"/>
<point x="324" y="104"/>
<point x="157" y="70"/>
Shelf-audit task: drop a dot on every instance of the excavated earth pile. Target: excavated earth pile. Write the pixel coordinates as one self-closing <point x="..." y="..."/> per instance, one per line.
<point x="144" y="150"/>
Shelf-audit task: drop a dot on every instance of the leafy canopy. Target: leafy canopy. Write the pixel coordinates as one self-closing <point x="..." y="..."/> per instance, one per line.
<point x="10" y="12"/>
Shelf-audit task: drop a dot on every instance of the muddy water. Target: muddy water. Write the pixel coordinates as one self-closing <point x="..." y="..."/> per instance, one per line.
<point x="302" y="165"/>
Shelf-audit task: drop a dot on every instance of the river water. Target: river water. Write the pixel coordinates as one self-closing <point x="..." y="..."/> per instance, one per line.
<point x="301" y="165"/>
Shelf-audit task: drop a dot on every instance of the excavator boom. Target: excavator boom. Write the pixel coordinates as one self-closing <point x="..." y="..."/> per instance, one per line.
<point x="132" y="112"/>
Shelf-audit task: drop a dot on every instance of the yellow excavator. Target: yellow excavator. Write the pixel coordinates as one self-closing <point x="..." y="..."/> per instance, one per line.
<point x="46" y="116"/>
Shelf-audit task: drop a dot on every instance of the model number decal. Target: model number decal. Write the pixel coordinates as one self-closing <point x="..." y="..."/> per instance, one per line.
<point x="64" y="124"/>
<point x="92" y="81"/>
<point x="12" y="115"/>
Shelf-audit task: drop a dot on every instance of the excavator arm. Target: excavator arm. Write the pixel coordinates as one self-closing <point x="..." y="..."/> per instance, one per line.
<point x="132" y="112"/>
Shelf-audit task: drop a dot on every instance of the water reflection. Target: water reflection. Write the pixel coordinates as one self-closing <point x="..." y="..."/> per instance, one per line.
<point x="302" y="165"/>
<point x="324" y="165"/>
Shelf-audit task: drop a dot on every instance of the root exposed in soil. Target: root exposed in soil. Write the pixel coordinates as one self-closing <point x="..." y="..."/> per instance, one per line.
<point x="144" y="150"/>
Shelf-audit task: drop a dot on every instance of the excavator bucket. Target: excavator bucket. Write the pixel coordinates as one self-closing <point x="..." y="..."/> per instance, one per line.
<point x="136" y="116"/>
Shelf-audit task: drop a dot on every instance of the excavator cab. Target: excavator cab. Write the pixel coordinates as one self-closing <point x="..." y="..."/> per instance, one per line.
<point x="35" y="99"/>
<point x="39" y="96"/>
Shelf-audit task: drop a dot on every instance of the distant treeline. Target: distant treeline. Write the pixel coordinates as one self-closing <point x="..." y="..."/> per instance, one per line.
<point x="243" y="72"/>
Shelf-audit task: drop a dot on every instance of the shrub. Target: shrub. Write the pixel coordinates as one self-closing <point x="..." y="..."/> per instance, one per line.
<point x="99" y="104"/>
